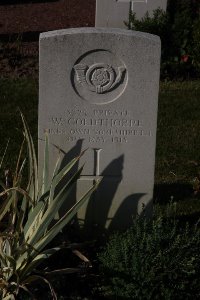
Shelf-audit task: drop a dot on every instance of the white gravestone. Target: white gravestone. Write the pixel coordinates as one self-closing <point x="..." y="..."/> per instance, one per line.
<point x="113" y="13"/>
<point x="99" y="90"/>
<point x="110" y="13"/>
<point x="140" y="7"/>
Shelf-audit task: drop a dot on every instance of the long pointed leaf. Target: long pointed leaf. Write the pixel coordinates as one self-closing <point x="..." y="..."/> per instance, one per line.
<point x="33" y="174"/>
<point x="53" y="208"/>
<point x="17" y="189"/>
<point x="16" y="177"/>
<point x="59" y="176"/>
<point x="45" y="178"/>
<point x="33" y="278"/>
<point x="22" y="215"/>
<point x="63" y="271"/>
<point x="40" y="258"/>
<point x="47" y="238"/>
<point x="5" y="207"/>
<point x="4" y="153"/>
<point x="65" y="219"/>
<point x="19" y="175"/>
<point x="33" y="218"/>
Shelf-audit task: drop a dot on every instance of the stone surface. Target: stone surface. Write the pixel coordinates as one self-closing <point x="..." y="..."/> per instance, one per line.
<point x="113" y="13"/>
<point x="99" y="90"/>
<point x="110" y="13"/>
<point x="140" y="7"/>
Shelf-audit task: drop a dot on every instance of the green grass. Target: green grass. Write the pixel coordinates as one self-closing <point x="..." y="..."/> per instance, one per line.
<point x="14" y="95"/>
<point x="178" y="135"/>
<point x="178" y="138"/>
<point x="178" y="146"/>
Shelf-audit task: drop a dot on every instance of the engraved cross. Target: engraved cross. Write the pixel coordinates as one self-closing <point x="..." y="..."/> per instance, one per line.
<point x="132" y="5"/>
<point x="96" y="172"/>
<point x="132" y="2"/>
<point x="97" y="162"/>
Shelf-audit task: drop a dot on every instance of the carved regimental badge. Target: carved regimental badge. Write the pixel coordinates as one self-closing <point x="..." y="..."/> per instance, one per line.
<point x="99" y="77"/>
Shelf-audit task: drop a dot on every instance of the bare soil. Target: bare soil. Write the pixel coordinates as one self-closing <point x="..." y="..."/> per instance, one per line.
<point x="20" y="25"/>
<point x="45" y="16"/>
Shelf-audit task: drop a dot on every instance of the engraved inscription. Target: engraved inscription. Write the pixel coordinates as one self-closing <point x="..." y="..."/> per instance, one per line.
<point x="98" y="78"/>
<point x="99" y="126"/>
<point x="96" y="122"/>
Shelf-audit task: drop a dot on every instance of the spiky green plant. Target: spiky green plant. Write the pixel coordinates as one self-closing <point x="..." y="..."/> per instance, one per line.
<point x="30" y="221"/>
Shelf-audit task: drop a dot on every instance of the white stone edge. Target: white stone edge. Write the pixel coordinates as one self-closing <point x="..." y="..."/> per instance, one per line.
<point x="89" y="30"/>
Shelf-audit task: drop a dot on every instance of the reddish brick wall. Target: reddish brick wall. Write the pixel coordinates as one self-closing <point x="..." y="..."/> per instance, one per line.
<point x="39" y="17"/>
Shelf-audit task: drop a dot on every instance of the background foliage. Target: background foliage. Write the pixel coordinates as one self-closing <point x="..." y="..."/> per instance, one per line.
<point x="179" y="30"/>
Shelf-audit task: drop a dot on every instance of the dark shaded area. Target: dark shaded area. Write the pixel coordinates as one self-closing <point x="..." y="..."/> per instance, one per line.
<point x="97" y="212"/>
<point x="183" y="194"/>
<point x="174" y="6"/>
<point x="165" y="192"/>
<point x="68" y="157"/>
<point x="44" y="16"/>
<point x="127" y="210"/>
<point x="99" y="205"/>
<point x="191" y="219"/>
<point x="14" y="2"/>
<point x="28" y="36"/>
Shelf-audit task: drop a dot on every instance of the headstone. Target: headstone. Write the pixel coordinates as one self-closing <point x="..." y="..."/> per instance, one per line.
<point x="99" y="90"/>
<point x="110" y="13"/>
<point x="140" y="7"/>
<point x="113" y="13"/>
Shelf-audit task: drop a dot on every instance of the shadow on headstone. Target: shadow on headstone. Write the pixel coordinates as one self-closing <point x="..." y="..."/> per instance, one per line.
<point x="129" y="209"/>
<point x="100" y="204"/>
<point x="67" y="158"/>
<point x="98" y="201"/>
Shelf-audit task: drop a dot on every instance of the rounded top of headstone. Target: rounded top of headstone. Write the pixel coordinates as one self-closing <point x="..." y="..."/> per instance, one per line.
<point x="96" y="30"/>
